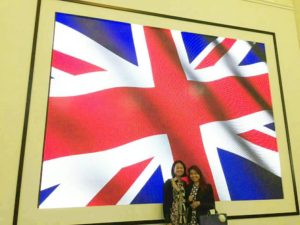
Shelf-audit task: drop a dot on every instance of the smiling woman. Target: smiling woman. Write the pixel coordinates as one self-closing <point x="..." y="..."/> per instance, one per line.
<point x="200" y="198"/>
<point x="174" y="195"/>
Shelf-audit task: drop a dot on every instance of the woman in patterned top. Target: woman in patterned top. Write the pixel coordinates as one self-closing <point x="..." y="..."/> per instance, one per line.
<point x="200" y="198"/>
<point x="174" y="204"/>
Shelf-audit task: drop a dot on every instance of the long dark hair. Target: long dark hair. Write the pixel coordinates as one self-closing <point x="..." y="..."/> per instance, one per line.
<point x="202" y="182"/>
<point x="173" y="167"/>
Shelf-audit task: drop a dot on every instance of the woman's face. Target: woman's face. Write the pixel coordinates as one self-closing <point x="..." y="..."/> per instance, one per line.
<point x="194" y="176"/>
<point x="178" y="170"/>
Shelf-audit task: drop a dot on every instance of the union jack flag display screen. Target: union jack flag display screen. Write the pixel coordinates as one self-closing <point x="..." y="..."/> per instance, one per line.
<point x="126" y="100"/>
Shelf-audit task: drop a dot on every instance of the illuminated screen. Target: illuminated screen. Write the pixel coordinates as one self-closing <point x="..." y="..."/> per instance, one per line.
<point x="126" y="100"/>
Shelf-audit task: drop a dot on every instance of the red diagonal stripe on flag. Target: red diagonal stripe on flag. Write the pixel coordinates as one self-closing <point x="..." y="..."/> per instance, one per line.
<point x="113" y="191"/>
<point x="261" y="139"/>
<point x="71" y="64"/>
<point x="214" y="56"/>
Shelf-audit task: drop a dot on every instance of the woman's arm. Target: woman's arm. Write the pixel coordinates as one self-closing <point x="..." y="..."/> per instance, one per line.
<point x="208" y="201"/>
<point x="167" y="200"/>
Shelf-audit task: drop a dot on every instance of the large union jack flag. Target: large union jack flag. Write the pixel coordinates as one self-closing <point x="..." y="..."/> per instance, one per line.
<point x="127" y="100"/>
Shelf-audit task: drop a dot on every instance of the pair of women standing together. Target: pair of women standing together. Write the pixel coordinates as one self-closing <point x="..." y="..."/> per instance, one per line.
<point x="183" y="204"/>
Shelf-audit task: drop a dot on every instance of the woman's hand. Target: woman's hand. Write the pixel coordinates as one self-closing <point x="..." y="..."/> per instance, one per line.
<point x="174" y="184"/>
<point x="195" y="204"/>
<point x="191" y="198"/>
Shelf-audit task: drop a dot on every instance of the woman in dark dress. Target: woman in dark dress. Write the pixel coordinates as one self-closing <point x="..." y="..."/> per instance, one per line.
<point x="174" y="204"/>
<point x="200" y="198"/>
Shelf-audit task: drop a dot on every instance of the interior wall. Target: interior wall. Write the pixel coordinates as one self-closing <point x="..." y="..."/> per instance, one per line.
<point x="17" y="25"/>
<point x="297" y="17"/>
<point x="17" y="31"/>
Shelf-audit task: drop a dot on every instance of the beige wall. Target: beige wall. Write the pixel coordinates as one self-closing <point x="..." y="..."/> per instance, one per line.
<point x="297" y="16"/>
<point x="17" y="25"/>
<point x="17" y="30"/>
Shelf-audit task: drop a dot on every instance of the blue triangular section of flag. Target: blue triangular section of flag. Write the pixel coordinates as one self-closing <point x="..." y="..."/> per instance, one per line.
<point x="271" y="126"/>
<point x="115" y="36"/>
<point x="152" y="192"/>
<point x="247" y="180"/>
<point x="45" y="193"/>
<point x="255" y="55"/>
<point x="195" y="43"/>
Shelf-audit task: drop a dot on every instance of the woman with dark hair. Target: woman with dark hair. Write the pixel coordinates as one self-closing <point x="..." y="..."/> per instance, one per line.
<point x="174" y="204"/>
<point x="200" y="198"/>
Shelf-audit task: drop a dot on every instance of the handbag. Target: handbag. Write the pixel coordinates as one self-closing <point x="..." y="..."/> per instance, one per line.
<point x="213" y="219"/>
